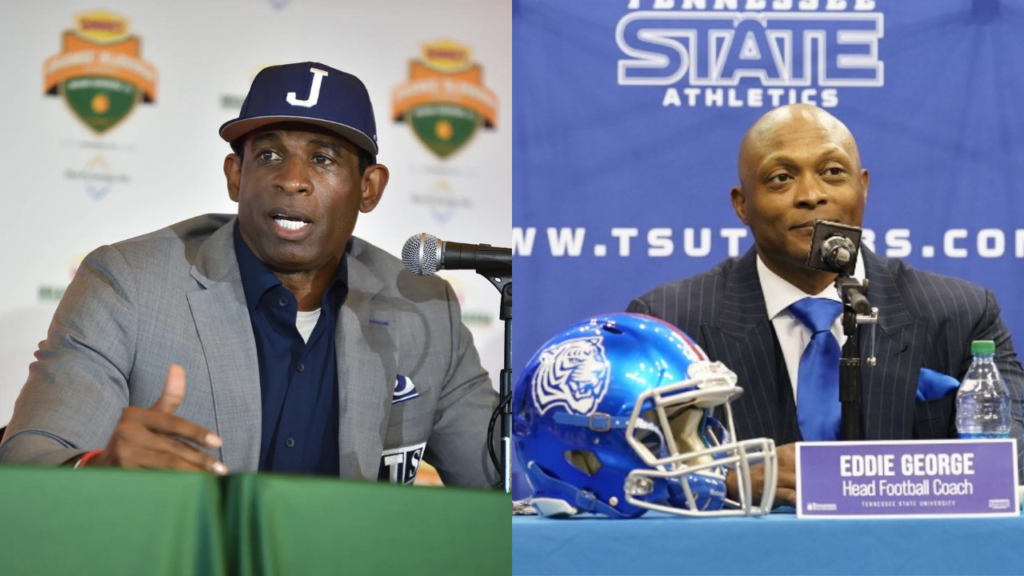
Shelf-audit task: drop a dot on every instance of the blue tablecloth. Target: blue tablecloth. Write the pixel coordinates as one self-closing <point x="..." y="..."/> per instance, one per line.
<point x="776" y="544"/>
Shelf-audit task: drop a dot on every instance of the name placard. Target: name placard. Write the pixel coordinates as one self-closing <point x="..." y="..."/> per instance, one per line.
<point x="906" y="479"/>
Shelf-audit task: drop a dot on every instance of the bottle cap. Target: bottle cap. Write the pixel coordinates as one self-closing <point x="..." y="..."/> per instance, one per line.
<point x="983" y="347"/>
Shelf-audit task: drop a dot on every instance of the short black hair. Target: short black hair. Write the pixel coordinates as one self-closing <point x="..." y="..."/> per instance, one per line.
<point x="365" y="158"/>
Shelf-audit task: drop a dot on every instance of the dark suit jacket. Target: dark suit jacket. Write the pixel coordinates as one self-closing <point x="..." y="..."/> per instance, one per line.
<point x="926" y="321"/>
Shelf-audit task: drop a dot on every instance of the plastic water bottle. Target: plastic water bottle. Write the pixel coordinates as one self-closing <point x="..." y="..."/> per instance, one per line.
<point x="983" y="401"/>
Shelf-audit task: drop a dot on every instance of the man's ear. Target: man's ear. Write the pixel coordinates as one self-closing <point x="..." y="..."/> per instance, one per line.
<point x="375" y="179"/>
<point x="739" y="203"/>
<point x="233" y="174"/>
<point x="865" y="179"/>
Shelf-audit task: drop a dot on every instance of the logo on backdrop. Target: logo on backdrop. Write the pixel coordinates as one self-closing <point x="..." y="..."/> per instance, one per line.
<point x="573" y="374"/>
<point x="98" y="176"/>
<point x="442" y="200"/>
<point x="750" y="53"/>
<point x="444" y="99"/>
<point x="99" y="71"/>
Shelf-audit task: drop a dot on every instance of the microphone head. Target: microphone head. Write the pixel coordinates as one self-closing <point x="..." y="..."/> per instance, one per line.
<point x="834" y="247"/>
<point x="837" y="252"/>
<point x="842" y="257"/>
<point x="420" y="254"/>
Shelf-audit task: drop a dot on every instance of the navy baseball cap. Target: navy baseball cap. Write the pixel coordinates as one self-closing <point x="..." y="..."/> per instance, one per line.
<point x="312" y="93"/>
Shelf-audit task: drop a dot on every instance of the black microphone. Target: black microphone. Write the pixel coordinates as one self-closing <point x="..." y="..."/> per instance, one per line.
<point x="834" y="247"/>
<point x="837" y="252"/>
<point x="425" y="254"/>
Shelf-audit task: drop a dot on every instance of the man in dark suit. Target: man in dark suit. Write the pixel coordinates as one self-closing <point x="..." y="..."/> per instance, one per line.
<point x="798" y="164"/>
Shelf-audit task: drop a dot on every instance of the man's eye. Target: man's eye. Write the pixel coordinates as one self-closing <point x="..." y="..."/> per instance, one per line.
<point x="835" y="171"/>
<point x="321" y="159"/>
<point x="268" y="155"/>
<point x="780" y="178"/>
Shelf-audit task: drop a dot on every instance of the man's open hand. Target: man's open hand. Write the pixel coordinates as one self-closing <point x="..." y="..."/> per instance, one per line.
<point x="785" y="492"/>
<point x="143" y="437"/>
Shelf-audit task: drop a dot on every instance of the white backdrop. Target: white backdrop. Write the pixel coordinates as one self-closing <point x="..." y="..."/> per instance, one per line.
<point x="70" y="189"/>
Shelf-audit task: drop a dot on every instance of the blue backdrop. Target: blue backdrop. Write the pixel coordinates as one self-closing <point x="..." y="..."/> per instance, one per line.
<point x="629" y="113"/>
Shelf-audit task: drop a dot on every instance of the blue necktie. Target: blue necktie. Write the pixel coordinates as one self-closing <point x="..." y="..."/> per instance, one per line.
<point x="817" y="405"/>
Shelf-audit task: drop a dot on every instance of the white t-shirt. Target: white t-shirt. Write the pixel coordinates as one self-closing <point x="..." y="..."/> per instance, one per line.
<point x="793" y="335"/>
<point x="305" y="322"/>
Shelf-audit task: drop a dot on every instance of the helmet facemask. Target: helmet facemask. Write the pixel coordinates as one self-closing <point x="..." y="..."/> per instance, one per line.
<point x="689" y="453"/>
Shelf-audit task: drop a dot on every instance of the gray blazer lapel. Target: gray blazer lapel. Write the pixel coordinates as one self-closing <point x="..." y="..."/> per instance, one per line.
<point x="890" y="386"/>
<point x="225" y="331"/>
<point x="366" y="348"/>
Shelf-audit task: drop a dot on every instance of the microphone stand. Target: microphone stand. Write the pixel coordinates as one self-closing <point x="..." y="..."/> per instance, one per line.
<point x="503" y="282"/>
<point x="856" y="311"/>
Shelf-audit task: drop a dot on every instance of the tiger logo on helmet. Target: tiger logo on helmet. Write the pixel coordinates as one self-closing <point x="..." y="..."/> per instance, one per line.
<point x="573" y="375"/>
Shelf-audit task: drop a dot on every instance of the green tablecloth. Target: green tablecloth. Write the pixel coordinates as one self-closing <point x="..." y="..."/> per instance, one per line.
<point x="280" y="526"/>
<point x="94" y="521"/>
<point x="108" y="522"/>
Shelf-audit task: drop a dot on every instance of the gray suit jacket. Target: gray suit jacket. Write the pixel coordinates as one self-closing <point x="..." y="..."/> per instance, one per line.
<point x="926" y="321"/>
<point x="175" y="297"/>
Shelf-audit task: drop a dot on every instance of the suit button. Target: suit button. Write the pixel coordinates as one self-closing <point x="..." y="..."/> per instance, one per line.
<point x="301" y="368"/>
<point x="283" y="302"/>
<point x="290" y="442"/>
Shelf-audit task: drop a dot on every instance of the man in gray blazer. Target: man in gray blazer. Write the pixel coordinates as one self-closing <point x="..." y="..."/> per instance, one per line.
<point x="306" y="349"/>
<point x="798" y="164"/>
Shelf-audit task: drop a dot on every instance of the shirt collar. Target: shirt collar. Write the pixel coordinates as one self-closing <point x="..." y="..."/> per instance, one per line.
<point x="780" y="294"/>
<point x="257" y="279"/>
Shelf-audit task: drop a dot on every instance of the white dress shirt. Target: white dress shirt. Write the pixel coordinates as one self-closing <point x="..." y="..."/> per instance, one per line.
<point x="793" y="335"/>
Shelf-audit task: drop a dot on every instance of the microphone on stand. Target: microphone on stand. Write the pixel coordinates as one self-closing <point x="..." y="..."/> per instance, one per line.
<point x="834" y="248"/>
<point x="425" y="254"/>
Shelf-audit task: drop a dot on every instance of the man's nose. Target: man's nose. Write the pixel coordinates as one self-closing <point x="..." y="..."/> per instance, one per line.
<point x="810" y="193"/>
<point x="293" y="177"/>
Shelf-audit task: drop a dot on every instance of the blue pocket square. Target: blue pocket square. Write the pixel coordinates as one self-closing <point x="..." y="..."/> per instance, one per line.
<point x="933" y="385"/>
<point x="404" y="390"/>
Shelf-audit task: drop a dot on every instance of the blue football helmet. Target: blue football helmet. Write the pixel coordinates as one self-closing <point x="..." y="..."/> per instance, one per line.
<point x="616" y="416"/>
